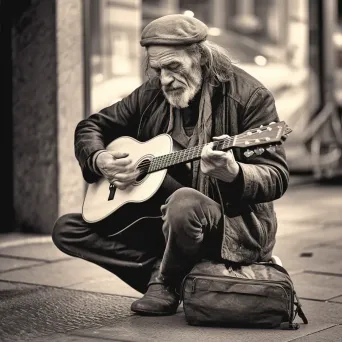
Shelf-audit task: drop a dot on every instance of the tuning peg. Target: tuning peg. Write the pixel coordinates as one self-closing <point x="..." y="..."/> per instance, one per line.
<point x="248" y="153"/>
<point x="261" y="126"/>
<point x="272" y="123"/>
<point x="271" y="149"/>
<point x="259" y="151"/>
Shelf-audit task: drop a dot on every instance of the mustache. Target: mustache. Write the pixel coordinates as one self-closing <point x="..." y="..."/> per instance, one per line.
<point x="168" y="89"/>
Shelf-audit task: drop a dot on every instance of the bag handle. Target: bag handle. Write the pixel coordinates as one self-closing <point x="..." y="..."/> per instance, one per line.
<point x="276" y="266"/>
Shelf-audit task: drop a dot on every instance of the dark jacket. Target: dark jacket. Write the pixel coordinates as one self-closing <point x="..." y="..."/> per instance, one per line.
<point x="243" y="103"/>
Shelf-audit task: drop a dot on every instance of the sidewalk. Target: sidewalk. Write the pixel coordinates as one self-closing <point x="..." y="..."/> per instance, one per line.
<point x="46" y="295"/>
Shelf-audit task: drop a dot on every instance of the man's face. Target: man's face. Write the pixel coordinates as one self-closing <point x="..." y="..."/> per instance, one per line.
<point x="180" y="74"/>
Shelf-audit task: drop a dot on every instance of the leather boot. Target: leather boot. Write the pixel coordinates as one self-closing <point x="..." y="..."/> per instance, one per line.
<point x="160" y="299"/>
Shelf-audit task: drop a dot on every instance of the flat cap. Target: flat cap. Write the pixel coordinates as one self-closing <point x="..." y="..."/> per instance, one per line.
<point x="174" y="29"/>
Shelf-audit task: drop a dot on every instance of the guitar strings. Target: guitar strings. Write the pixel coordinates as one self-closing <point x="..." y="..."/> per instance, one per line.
<point x="144" y="166"/>
<point x="172" y="156"/>
<point x="178" y="155"/>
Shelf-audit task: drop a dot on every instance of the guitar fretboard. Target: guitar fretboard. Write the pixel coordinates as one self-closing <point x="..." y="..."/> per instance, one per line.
<point x="184" y="156"/>
<point x="274" y="133"/>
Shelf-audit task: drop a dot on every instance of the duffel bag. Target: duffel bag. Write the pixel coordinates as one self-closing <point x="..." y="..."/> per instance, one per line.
<point x="259" y="295"/>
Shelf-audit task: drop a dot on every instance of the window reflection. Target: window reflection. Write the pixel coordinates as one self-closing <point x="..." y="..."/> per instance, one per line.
<point x="115" y="53"/>
<point x="267" y="38"/>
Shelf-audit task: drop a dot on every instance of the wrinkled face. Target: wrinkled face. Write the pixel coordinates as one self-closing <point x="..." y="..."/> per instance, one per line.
<point x="180" y="74"/>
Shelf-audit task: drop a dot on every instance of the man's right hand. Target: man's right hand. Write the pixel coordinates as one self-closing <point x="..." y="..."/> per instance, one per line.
<point x="117" y="168"/>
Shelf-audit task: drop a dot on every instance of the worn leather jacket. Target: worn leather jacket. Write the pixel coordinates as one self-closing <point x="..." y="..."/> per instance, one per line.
<point x="240" y="104"/>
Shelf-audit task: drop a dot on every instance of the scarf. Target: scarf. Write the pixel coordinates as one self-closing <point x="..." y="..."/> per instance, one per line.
<point x="202" y="134"/>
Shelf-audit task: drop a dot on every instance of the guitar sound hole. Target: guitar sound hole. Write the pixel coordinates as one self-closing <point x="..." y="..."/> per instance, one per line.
<point x="143" y="168"/>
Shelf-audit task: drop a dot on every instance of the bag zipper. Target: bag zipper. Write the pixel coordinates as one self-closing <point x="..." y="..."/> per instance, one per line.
<point x="195" y="276"/>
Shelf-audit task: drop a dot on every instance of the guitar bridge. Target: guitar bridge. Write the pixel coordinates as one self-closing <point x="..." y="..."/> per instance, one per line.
<point x="111" y="192"/>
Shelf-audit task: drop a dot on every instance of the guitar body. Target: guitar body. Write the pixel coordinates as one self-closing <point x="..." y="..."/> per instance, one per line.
<point x="97" y="206"/>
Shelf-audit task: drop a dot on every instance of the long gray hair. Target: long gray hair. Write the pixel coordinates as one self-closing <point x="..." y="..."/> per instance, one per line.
<point x="217" y="62"/>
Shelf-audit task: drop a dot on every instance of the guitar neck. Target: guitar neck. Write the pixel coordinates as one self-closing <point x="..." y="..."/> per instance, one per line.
<point x="186" y="155"/>
<point x="269" y="135"/>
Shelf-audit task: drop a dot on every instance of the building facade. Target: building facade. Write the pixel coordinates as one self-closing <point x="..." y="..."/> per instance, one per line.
<point x="70" y="58"/>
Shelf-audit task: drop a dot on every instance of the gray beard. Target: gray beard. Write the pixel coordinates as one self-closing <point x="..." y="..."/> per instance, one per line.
<point x="182" y="100"/>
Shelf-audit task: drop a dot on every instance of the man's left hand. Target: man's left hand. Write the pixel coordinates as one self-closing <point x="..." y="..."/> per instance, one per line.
<point x="219" y="164"/>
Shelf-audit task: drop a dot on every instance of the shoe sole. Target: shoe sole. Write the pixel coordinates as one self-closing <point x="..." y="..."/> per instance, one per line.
<point x="150" y="313"/>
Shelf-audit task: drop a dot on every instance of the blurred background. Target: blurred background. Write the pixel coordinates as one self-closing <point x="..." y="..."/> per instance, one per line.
<point x="62" y="60"/>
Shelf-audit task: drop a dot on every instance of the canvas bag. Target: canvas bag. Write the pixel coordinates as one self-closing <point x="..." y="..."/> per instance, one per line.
<point x="260" y="295"/>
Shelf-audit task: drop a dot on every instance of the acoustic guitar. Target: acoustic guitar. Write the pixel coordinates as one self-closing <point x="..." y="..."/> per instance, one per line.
<point x="152" y="159"/>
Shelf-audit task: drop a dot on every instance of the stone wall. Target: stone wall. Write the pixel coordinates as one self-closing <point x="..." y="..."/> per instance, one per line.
<point x="70" y="103"/>
<point x="47" y="101"/>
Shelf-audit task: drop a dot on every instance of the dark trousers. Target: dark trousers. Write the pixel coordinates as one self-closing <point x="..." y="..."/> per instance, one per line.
<point x="187" y="231"/>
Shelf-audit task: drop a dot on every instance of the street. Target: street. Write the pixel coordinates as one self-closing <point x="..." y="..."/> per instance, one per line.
<point x="49" y="296"/>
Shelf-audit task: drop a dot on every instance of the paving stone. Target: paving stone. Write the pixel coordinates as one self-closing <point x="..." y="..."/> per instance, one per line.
<point x="78" y="314"/>
<point x="13" y="238"/>
<point x="7" y="264"/>
<point x="286" y="228"/>
<point x="4" y="285"/>
<point x="63" y="273"/>
<point x="322" y="312"/>
<point x="333" y="334"/>
<point x="324" y="281"/>
<point x="8" y="286"/>
<point x="316" y="292"/>
<point x="337" y="299"/>
<point x="299" y="214"/>
<point x="333" y="267"/>
<point x="321" y="243"/>
<point x="41" y="251"/>
<point x="69" y="338"/>
<point x="323" y="237"/>
<point x="175" y="328"/>
<point x="314" y="193"/>
<point x="306" y="207"/>
<point x="30" y="312"/>
<point x="107" y="284"/>
<point x="316" y="286"/>
<point x="322" y="260"/>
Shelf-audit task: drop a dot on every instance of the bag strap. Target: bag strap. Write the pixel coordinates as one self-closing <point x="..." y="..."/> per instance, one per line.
<point x="297" y="303"/>
<point x="299" y="310"/>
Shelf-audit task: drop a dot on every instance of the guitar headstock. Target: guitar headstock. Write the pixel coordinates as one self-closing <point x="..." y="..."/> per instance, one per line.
<point x="264" y="137"/>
